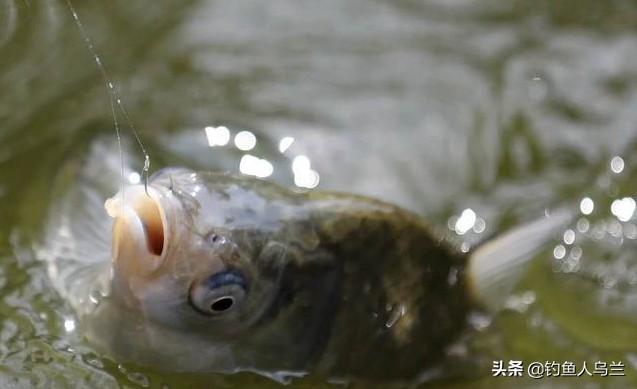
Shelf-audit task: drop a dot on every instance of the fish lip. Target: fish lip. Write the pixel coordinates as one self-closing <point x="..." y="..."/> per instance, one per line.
<point x="137" y="211"/>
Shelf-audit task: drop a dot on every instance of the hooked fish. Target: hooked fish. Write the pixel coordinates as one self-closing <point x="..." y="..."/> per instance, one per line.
<point x="203" y="271"/>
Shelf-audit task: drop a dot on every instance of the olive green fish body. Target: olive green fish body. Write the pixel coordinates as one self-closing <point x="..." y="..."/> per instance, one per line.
<point x="337" y="283"/>
<point x="218" y="273"/>
<point x="402" y="295"/>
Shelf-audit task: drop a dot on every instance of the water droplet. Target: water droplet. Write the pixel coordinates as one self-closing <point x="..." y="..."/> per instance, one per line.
<point x="134" y="178"/>
<point x="285" y="143"/>
<point x="583" y="225"/>
<point x="254" y="166"/>
<point x="69" y="325"/>
<point x="559" y="251"/>
<point x="301" y="163"/>
<point x="480" y="226"/>
<point x="617" y="164"/>
<point x="466" y="221"/>
<point x="217" y="136"/>
<point x="569" y="236"/>
<point x="245" y="140"/>
<point x="587" y="206"/>
<point x="624" y="208"/>
<point x="306" y="179"/>
<point x="304" y="176"/>
<point x="576" y="252"/>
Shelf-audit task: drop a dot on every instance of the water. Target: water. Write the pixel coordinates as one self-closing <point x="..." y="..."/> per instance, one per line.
<point x="477" y="115"/>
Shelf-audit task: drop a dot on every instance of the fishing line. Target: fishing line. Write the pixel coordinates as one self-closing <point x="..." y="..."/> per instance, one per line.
<point x="114" y="98"/>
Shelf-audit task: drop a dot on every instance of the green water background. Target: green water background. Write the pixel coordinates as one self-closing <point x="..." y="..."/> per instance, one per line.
<point x="505" y="107"/>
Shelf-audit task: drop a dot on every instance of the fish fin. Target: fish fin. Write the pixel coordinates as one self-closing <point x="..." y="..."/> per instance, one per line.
<point x="495" y="267"/>
<point x="76" y="244"/>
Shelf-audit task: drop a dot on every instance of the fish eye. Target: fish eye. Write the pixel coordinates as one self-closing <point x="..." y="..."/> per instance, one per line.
<point x="222" y="304"/>
<point x="221" y="292"/>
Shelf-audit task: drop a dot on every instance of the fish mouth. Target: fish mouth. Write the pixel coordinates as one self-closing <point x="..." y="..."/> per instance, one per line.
<point x="139" y="229"/>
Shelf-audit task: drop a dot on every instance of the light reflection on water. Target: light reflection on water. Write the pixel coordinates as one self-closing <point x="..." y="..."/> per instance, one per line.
<point x="623" y="209"/>
<point x="134" y="178"/>
<point x="217" y="136"/>
<point x="617" y="164"/>
<point x="304" y="175"/>
<point x="480" y="115"/>
<point x="254" y="165"/>
<point x="587" y="205"/>
<point x="285" y="143"/>
<point x="611" y="227"/>
<point x="245" y="140"/>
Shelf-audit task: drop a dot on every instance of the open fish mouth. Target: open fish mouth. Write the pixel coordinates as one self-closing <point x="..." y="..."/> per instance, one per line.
<point x="139" y="229"/>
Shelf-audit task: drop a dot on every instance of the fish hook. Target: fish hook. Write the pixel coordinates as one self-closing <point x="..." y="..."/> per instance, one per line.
<point x="146" y="169"/>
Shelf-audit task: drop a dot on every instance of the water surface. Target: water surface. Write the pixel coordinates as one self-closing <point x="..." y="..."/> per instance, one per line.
<point x="503" y="108"/>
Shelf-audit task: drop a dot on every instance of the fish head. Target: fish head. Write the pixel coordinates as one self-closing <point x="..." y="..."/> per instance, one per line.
<point x="195" y="257"/>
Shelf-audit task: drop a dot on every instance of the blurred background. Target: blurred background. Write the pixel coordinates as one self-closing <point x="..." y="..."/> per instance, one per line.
<point x="479" y="116"/>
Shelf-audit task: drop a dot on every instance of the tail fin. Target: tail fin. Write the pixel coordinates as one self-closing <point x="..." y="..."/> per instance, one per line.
<point x="495" y="267"/>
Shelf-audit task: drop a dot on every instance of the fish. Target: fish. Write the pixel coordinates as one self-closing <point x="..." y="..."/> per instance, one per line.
<point x="202" y="271"/>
